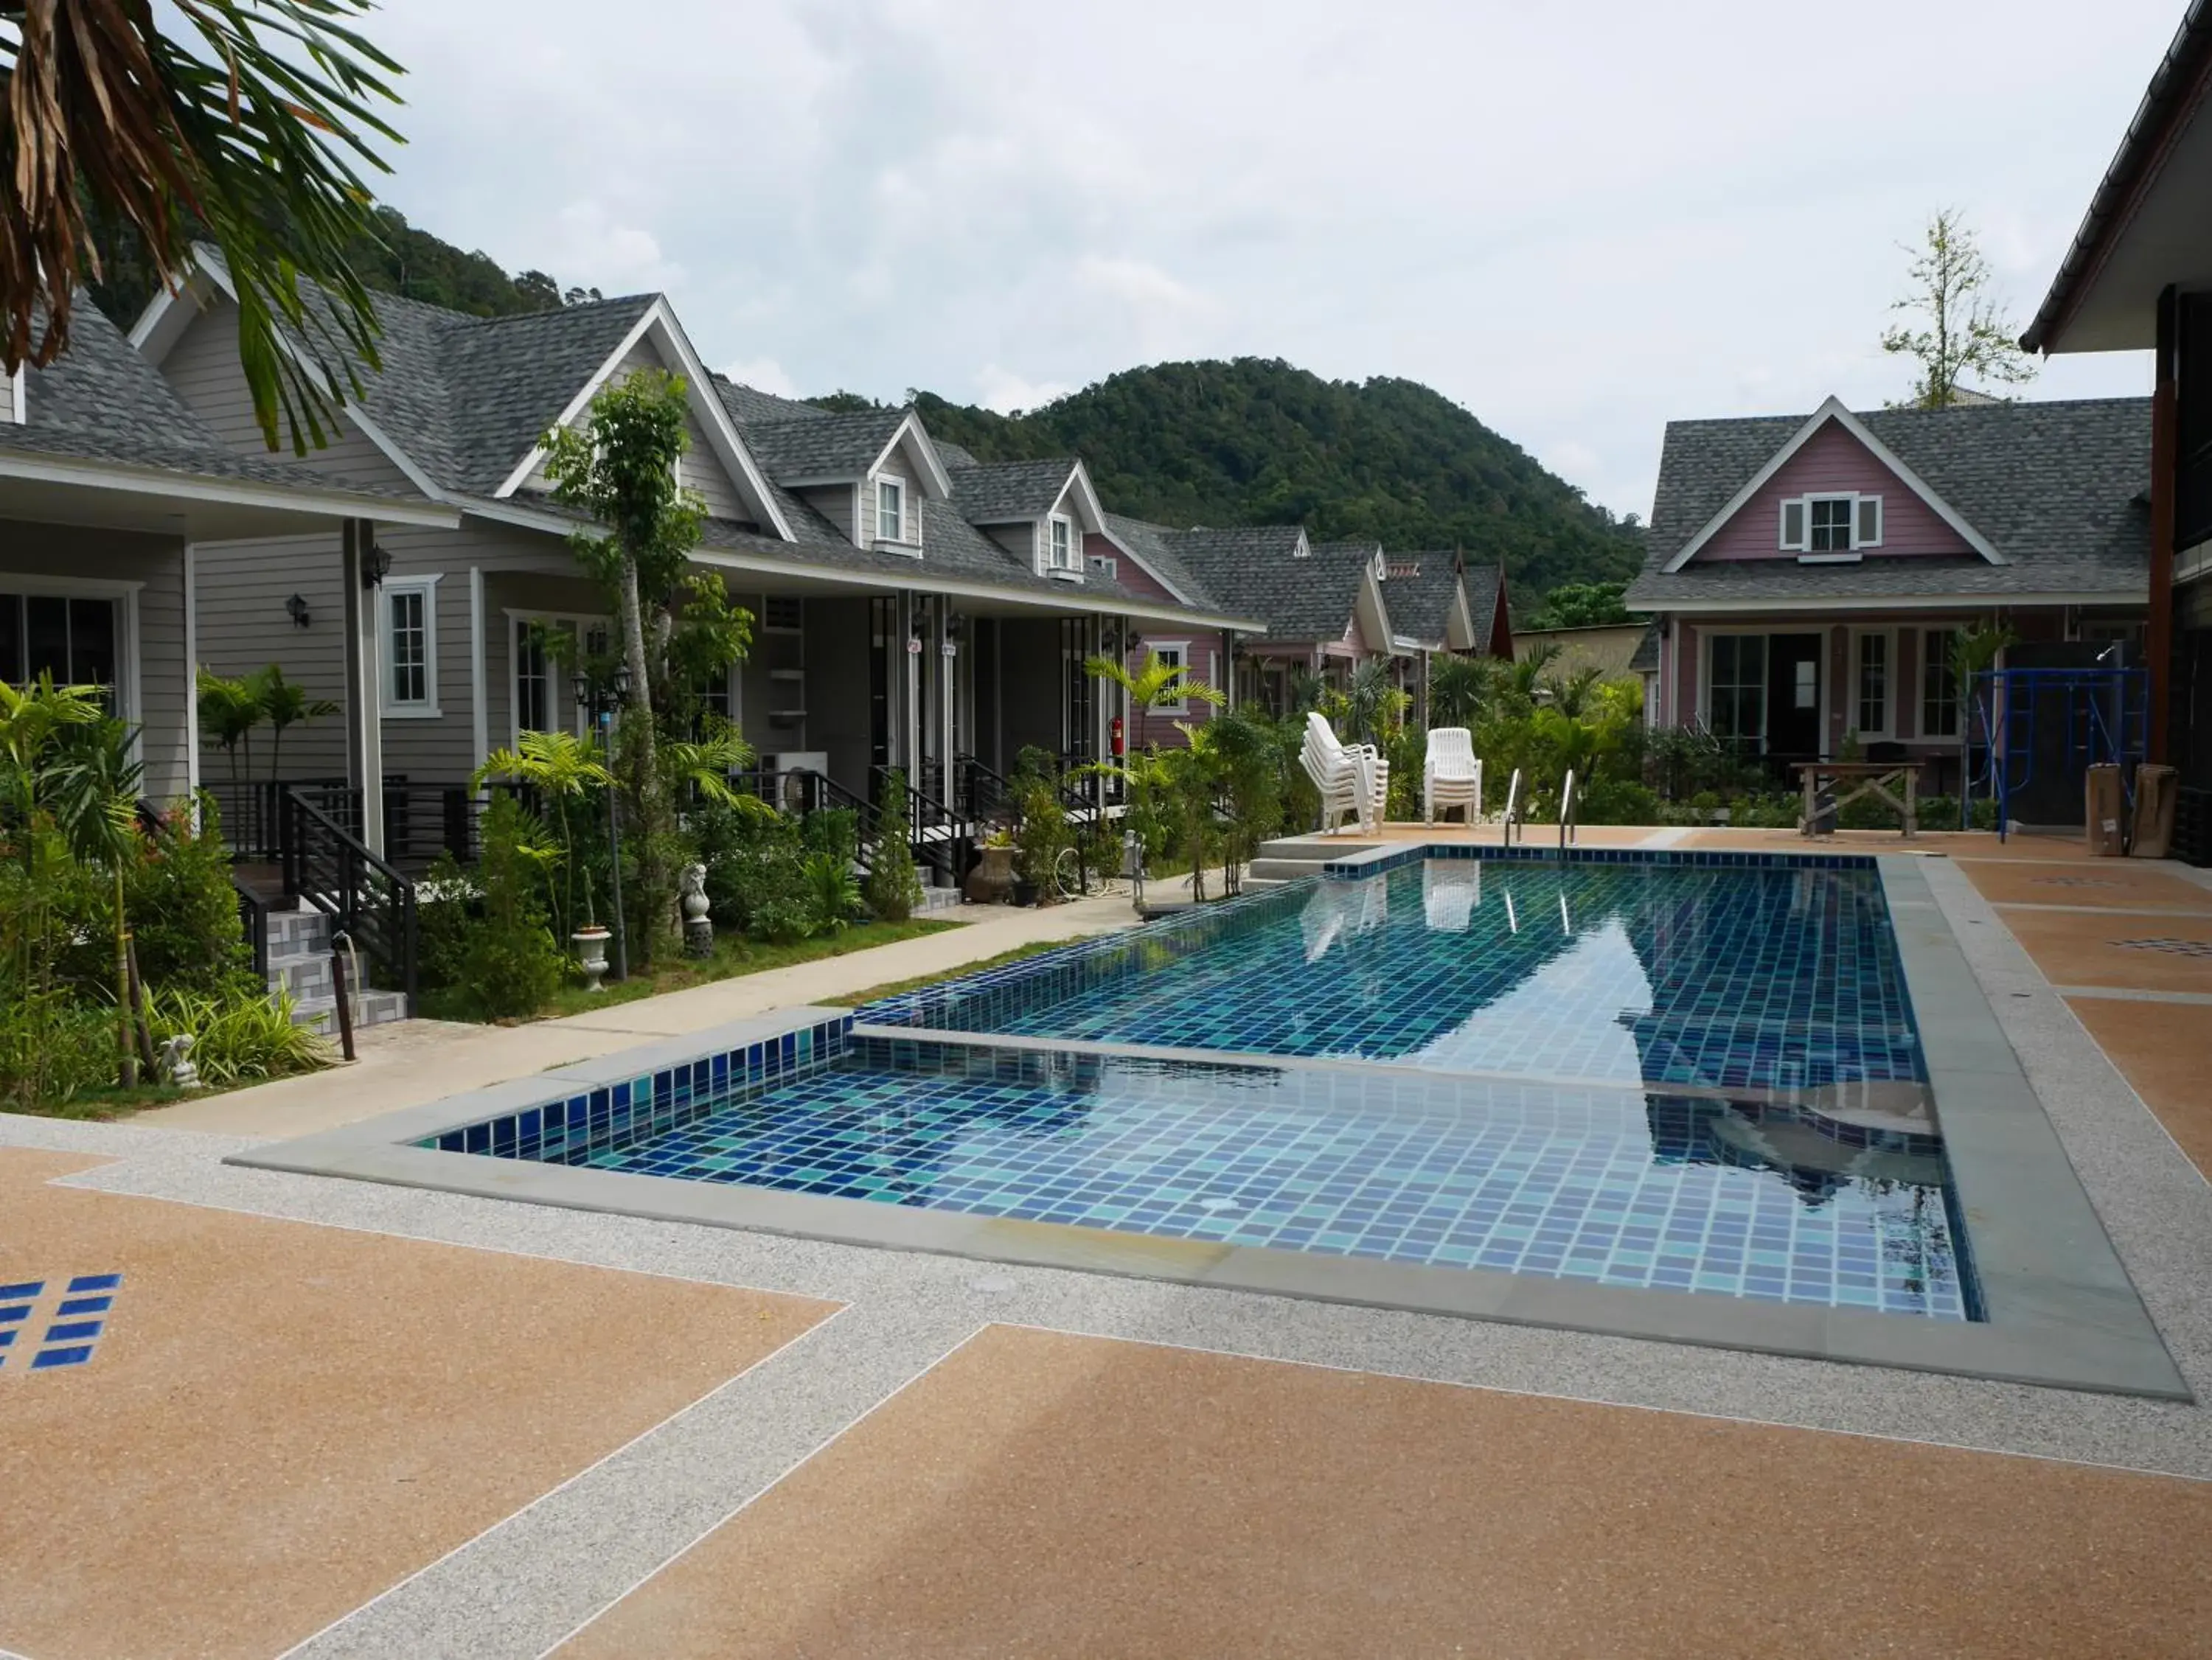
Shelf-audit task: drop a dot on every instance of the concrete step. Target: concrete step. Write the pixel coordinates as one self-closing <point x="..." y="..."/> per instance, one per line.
<point x="1279" y="870"/>
<point x="1313" y="850"/>
<point x="370" y="1008"/>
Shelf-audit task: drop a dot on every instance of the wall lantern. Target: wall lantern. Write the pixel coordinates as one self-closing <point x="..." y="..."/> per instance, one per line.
<point x="375" y="565"/>
<point x="296" y="609"/>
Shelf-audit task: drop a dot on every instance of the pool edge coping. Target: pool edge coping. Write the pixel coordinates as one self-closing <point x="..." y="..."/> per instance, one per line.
<point x="2078" y="1325"/>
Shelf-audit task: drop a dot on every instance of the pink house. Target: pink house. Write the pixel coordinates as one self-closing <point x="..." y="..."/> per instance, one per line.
<point x="1808" y="573"/>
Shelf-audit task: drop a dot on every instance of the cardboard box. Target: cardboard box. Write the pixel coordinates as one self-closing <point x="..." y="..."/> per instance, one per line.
<point x="2101" y="788"/>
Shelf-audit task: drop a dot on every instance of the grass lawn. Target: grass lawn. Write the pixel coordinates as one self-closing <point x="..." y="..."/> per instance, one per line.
<point x="892" y="988"/>
<point x="732" y="957"/>
<point x="112" y="1102"/>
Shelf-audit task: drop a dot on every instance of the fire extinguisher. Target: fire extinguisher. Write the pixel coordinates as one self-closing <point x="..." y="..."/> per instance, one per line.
<point x="1119" y="745"/>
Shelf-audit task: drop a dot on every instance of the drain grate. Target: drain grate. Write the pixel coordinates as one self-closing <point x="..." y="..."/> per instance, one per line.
<point x="2074" y="881"/>
<point x="68" y="1334"/>
<point x="2171" y="948"/>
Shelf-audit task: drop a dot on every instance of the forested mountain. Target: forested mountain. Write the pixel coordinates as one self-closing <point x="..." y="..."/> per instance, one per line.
<point x="1257" y="441"/>
<point x="407" y="261"/>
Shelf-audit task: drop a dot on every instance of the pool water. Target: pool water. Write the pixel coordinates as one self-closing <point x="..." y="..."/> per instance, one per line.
<point x="1666" y="1074"/>
<point x="1767" y="978"/>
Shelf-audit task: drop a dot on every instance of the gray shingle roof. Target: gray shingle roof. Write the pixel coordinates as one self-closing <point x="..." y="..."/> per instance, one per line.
<point x="1646" y="660"/>
<point x="748" y="404"/>
<point x="1484" y="584"/>
<point x="1253" y="570"/>
<point x="1150" y="544"/>
<point x="1006" y="490"/>
<point x="955" y="455"/>
<point x="2056" y="487"/>
<point x="101" y="401"/>
<point x="828" y="446"/>
<point x="1419" y="590"/>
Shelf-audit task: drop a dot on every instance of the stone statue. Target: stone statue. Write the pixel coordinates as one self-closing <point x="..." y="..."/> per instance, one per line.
<point x="698" y="926"/>
<point x="176" y="1064"/>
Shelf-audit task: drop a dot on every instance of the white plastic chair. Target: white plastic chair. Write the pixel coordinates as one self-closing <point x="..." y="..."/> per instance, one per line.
<point x="1353" y="779"/>
<point x="1451" y="775"/>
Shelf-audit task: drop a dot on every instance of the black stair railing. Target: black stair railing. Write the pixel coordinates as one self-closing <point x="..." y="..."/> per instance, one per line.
<point x="938" y="836"/>
<point x="326" y="865"/>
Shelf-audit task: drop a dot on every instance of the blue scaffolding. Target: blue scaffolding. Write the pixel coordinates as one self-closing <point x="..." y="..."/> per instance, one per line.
<point x="2095" y="717"/>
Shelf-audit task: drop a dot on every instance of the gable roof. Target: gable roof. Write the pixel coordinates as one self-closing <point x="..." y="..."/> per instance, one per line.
<point x="748" y="403"/>
<point x="2054" y="487"/>
<point x="1148" y="544"/>
<point x="827" y="447"/>
<point x="1005" y="492"/>
<point x="1833" y="411"/>
<point x="1422" y="589"/>
<point x="1485" y="585"/>
<point x="102" y="410"/>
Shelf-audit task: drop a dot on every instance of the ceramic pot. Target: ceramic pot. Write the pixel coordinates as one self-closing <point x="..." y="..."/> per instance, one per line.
<point x="590" y="945"/>
<point x="992" y="881"/>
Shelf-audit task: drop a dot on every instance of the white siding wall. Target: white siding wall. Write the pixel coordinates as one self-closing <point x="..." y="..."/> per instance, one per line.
<point x="157" y="563"/>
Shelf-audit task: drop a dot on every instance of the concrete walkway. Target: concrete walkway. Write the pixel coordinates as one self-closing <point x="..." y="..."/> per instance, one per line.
<point x="417" y="1061"/>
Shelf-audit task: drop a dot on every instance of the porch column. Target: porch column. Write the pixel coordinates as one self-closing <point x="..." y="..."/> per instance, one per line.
<point x="944" y="650"/>
<point x="364" y="681"/>
<point x="909" y="694"/>
<point x="479" y="716"/>
<point x="191" y="679"/>
<point x="2158" y="630"/>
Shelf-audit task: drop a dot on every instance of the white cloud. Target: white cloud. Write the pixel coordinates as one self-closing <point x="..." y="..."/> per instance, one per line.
<point x="1578" y="221"/>
<point x="762" y="374"/>
<point x="1002" y="389"/>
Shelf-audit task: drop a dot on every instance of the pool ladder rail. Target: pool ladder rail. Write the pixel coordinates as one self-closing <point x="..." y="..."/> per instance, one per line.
<point x="1570" y="812"/>
<point x="1513" y="805"/>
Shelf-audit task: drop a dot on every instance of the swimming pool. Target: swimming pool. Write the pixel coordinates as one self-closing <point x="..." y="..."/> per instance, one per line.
<point x="1667" y="1076"/>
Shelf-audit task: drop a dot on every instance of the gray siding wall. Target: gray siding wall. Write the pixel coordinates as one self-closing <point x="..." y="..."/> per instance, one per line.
<point x="896" y="466"/>
<point x="1019" y="539"/>
<point x="243" y="626"/>
<point x="203" y="369"/>
<point x="835" y="503"/>
<point x="1029" y="687"/>
<point x="161" y="680"/>
<point x="837" y="664"/>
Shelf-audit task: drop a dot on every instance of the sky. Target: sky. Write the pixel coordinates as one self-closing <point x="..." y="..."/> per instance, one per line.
<point x="1579" y="221"/>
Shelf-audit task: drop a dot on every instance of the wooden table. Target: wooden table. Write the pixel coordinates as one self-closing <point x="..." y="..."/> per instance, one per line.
<point x="1873" y="778"/>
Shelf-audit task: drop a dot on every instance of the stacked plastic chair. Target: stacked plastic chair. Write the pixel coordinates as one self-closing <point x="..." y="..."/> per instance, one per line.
<point x="1451" y="775"/>
<point x="1353" y="778"/>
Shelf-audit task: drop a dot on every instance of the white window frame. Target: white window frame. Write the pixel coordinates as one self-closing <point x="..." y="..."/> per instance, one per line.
<point x="582" y="622"/>
<point x="1802" y="545"/>
<point x="908" y="539"/>
<point x="125" y="595"/>
<point x="426" y="706"/>
<point x="1887" y="730"/>
<point x="1106" y="565"/>
<point x="1056" y="525"/>
<point x="1706" y="636"/>
<point x="1180" y="649"/>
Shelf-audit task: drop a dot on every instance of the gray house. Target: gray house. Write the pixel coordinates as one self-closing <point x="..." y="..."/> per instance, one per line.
<point x="110" y="486"/>
<point x="891" y="631"/>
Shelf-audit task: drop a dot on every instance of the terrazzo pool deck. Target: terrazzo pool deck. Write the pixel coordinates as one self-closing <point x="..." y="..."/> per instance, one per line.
<point x="920" y="1454"/>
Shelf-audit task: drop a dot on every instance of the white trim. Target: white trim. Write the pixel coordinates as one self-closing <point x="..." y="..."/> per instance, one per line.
<point x="1048" y="549"/>
<point x="1829" y="604"/>
<point x="125" y="593"/>
<point x="1855" y="637"/>
<point x="1833" y="409"/>
<point x="722" y="433"/>
<point x="891" y="481"/>
<point x="1140" y="562"/>
<point x="1920" y="662"/>
<point x="18" y="391"/>
<point x="1152" y="648"/>
<point x="185" y="487"/>
<point x="2192" y="562"/>
<point x="583" y="623"/>
<point x="1702" y="705"/>
<point x="932" y="466"/>
<point x="479" y="716"/>
<point x="192" y="675"/>
<point x="429" y="707"/>
<point x="393" y="453"/>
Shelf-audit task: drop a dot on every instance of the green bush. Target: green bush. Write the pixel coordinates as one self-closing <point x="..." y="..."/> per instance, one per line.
<point x="239" y="1034"/>
<point x="448" y="904"/>
<point x="510" y="965"/>
<point x="785" y="918"/>
<point x="893" y="888"/>
<point x="184" y="911"/>
<point x="832" y="896"/>
<point x="1619" y="801"/>
<point x="54" y="1046"/>
<point x="1043" y="834"/>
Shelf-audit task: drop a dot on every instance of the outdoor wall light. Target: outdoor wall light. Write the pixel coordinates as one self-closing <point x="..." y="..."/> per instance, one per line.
<point x="375" y="565"/>
<point x="296" y="609"/>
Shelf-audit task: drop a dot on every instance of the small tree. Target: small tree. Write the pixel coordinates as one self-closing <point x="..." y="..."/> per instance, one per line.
<point x="92" y="785"/>
<point x="229" y="710"/>
<point x="1964" y="331"/>
<point x="1458" y="688"/>
<point x="282" y="705"/>
<point x="562" y="767"/>
<point x="893" y="888"/>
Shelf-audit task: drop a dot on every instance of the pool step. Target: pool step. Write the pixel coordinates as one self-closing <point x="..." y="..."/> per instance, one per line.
<point x="1286" y="858"/>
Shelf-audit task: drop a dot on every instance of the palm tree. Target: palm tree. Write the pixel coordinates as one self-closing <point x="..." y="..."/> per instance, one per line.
<point x="284" y="705"/>
<point x="1458" y="688"/>
<point x="121" y="139"/>
<point x="32" y="719"/>
<point x="1373" y="702"/>
<point x="562" y="767"/>
<point x="1157" y="685"/>
<point x="229" y="710"/>
<point x="1570" y="692"/>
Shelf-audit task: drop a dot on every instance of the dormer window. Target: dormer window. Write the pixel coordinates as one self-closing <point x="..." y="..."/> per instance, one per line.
<point x="891" y="509"/>
<point x="1063" y="545"/>
<point x="1831" y="527"/>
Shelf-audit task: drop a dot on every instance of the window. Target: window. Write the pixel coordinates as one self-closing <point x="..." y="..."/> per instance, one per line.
<point x="1834" y="526"/>
<point x="1939" y="684"/>
<point x="1063" y="545"/>
<point x="407" y="625"/>
<point x="1107" y="566"/>
<point x="533" y="679"/>
<point x="1172" y="654"/>
<point x="891" y="509"/>
<point x="1736" y="704"/>
<point x="74" y="638"/>
<point x="1873" y="684"/>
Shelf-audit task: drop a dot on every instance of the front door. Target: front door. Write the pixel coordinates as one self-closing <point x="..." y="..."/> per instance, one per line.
<point x="1793" y="697"/>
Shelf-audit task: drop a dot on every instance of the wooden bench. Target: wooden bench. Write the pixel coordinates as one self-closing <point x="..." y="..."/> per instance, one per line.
<point x="1877" y="779"/>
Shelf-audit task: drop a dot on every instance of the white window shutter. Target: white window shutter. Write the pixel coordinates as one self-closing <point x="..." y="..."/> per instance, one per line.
<point x="1793" y="526"/>
<point x="1869" y="525"/>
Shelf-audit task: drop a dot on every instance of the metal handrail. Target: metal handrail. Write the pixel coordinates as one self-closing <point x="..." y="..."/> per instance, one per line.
<point x="1513" y="808"/>
<point x="327" y="867"/>
<point x="1570" y="816"/>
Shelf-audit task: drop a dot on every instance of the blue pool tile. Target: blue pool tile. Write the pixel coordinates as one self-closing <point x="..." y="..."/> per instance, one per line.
<point x="61" y="1357"/>
<point x="85" y="1305"/>
<point x="21" y="1288"/>
<point x="95" y="1282"/>
<point x="72" y="1331"/>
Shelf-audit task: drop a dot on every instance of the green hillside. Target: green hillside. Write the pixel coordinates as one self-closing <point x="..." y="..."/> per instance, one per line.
<point x="1257" y="441"/>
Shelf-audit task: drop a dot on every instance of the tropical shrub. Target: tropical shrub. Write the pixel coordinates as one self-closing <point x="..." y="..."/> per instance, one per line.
<point x="184" y="911"/>
<point x="893" y="889"/>
<point x="1043" y="834"/>
<point x="510" y="965"/>
<point x="832" y="897"/>
<point x="239" y="1034"/>
<point x="448" y="904"/>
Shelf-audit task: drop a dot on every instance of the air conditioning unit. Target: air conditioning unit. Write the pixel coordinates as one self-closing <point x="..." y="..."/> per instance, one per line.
<point x="787" y="794"/>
